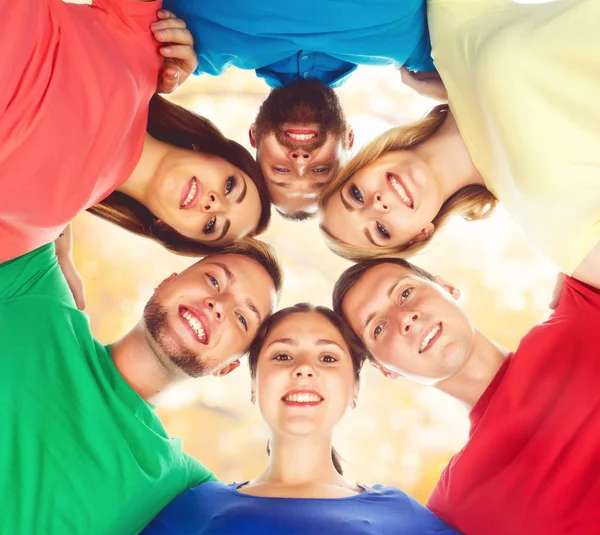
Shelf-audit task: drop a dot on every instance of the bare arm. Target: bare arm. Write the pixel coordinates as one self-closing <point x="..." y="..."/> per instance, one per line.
<point x="589" y="270"/>
<point x="63" y="246"/>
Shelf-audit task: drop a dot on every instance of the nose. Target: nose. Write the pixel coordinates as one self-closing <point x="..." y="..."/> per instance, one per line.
<point x="408" y="320"/>
<point x="216" y="311"/>
<point x="379" y="203"/>
<point x="304" y="369"/>
<point x="299" y="159"/>
<point x="212" y="203"/>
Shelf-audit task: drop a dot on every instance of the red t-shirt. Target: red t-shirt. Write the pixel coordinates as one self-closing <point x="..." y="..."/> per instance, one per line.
<point x="531" y="465"/>
<point x="76" y="82"/>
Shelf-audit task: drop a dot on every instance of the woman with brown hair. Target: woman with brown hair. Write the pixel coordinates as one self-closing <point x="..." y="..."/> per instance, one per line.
<point x="305" y="365"/>
<point x="80" y="128"/>
<point x="521" y="127"/>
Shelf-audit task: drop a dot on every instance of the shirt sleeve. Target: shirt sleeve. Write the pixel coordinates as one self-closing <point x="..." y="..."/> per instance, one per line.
<point x="36" y="273"/>
<point x="429" y="522"/>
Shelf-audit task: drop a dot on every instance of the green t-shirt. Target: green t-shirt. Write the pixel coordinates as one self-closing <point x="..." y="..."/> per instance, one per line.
<point x="81" y="452"/>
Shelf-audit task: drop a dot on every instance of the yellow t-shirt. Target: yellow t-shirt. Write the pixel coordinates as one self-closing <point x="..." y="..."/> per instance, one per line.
<point x="523" y="82"/>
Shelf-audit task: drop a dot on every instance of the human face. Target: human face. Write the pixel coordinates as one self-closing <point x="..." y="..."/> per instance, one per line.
<point x="412" y="326"/>
<point x="388" y="203"/>
<point x="301" y="136"/>
<point x="204" y="197"/>
<point x="295" y="172"/>
<point x="304" y="379"/>
<point x="208" y="315"/>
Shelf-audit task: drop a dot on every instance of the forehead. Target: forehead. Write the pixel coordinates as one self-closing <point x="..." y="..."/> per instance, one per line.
<point x="306" y="327"/>
<point x="372" y="288"/>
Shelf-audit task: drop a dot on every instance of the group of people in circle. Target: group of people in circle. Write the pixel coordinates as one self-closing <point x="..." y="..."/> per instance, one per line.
<point x="82" y="127"/>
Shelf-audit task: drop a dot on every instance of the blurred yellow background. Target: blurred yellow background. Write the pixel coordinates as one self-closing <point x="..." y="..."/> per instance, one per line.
<point x="401" y="434"/>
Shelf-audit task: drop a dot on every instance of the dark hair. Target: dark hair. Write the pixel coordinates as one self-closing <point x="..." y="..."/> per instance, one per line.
<point x="259" y="252"/>
<point x="352" y="275"/>
<point x="356" y="348"/>
<point x="297" y="216"/>
<point x="182" y="128"/>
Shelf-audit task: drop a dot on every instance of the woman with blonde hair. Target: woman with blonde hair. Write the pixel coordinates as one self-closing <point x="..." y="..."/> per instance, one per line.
<point x="305" y="366"/>
<point x="521" y="128"/>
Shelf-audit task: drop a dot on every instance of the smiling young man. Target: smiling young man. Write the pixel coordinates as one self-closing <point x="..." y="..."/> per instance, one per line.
<point x="320" y="40"/>
<point x="84" y="451"/>
<point x="532" y="460"/>
<point x="300" y="135"/>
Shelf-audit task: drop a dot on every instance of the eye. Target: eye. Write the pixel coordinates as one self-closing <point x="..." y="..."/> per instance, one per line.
<point x="320" y="170"/>
<point x="381" y="230"/>
<point x="213" y="282"/>
<point x="377" y="331"/>
<point x="328" y="358"/>
<point x="243" y="321"/>
<point x="280" y="169"/>
<point x="209" y="228"/>
<point x="405" y="294"/>
<point x="356" y="194"/>
<point x="230" y="184"/>
<point x="282" y="357"/>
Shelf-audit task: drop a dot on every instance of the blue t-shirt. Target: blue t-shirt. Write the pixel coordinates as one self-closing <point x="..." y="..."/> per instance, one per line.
<point x="286" y="41"/>
<point x="214" y="508"/>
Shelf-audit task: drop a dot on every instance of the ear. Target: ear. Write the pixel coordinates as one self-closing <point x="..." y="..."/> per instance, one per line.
<point x="350" y="139"/>
<point x="448" y="286"/>
<point x="425" y="233"/>
<point x="386" y="373"/>
<point x="227" y="369"/>
<point x="171" y="276"/>
<point x="252" y="136"/>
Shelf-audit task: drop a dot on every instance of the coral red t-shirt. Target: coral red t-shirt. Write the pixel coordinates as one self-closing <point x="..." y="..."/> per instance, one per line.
<point x="532" y="462"/>
<point x="76" y="82"/>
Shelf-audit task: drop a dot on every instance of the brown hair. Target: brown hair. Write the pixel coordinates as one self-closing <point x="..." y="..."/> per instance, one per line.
<point x="356" y="348"/>
<point x="259" y="252"/>
<point x="352" y="275"/>
<point x="182" y="128"/>
<point x="472" y="202"/>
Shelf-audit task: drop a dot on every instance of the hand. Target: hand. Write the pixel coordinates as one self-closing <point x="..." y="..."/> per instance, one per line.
<point x="558" y="288"/>
<point x="177" y="47"/>
<point x="427" y="84"/>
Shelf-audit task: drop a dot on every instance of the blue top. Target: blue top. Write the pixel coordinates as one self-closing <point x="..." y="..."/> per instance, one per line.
<point x="285" y="41"/>
<point x="217" y="509"/>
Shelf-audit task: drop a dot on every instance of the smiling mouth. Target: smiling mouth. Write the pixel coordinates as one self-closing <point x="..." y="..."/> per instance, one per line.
<point x="302" y="398"/>
<point x="196" y="323"/>
<point x="190" y="194"/>
<point x="302" y="135"/>
<point x="398" y="188"/>
<point x="431" y="337"/>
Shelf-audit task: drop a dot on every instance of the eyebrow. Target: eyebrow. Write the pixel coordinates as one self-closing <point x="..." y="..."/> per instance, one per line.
<point x="253" y="309"/>
<point x="228" y="273"/>
<point x="281" y="184"/>
<point x="248" y="302"/>
<point x="320" y="185"/>
<point x="348" y="206"/>
<point x="243" y="193"/>
<point x="225" y="229"/>
<point x="389" y="293"/>
<point x="325" y="342"/>
<point x="292" y="342"/>
<point x="370" y="238"/>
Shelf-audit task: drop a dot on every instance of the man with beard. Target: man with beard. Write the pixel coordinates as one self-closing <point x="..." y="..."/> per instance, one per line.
<point x="83" y="450"/>
<point x="532" y="460"/>
<point x="322" y="40"/>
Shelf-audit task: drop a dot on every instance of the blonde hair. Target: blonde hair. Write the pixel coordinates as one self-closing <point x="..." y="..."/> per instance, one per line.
<point x="472" y="202"/>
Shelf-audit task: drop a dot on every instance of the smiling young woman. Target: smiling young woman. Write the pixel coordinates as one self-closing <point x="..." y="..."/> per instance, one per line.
<point x="80" y="128"/>
<point x="305" y="365"/>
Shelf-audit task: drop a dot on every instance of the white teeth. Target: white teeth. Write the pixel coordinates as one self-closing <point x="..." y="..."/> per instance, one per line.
<point x="301" y="137"/>
<point x="304" y="397"/>
<point x="401" y="191"/>
<point x="190" y="195"/>
<point x="429" y="337"/>
<point x="194" y="324"/>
